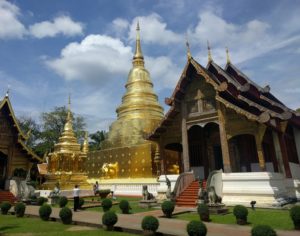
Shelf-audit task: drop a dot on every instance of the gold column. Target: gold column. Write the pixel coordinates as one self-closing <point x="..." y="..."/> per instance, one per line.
<point x="223" y="138"/>
<point x="258" y="140"/>
<point x="184" y="136"/>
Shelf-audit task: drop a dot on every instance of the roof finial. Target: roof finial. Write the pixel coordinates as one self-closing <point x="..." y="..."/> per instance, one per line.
<point x="7" y="91"/>
<point x="189" y="55"/>
<point x="209" y="52"/>
<point x="227" y="55"/>
<point x="69" y="108"/>
<point x="138" y="59"/>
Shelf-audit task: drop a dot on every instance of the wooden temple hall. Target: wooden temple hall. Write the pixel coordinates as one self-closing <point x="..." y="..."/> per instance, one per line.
<point x="220" y="119"/>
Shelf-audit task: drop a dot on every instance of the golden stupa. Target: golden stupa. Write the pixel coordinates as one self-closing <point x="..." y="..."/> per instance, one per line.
<point x="66" y="164"/>
<point x="125" y="153"/>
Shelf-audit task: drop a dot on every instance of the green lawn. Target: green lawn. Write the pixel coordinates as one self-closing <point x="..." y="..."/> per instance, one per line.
<point x="11" y="225"/>
<point x="277" y="219"/>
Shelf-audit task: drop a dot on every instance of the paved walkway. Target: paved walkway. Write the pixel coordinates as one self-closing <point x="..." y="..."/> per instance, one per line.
<point x="132" y="223"/>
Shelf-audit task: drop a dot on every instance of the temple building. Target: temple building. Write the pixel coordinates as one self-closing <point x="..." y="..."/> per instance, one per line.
<point x="16" y="158"/>
<point x="66" y="164"/>
<point x="125" y="152"/>
<point x="220" y="119"/>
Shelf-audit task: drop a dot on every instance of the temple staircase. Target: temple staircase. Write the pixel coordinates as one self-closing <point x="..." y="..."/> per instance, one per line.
<point x="189" y="196"/>
<point x="7" y="196"/>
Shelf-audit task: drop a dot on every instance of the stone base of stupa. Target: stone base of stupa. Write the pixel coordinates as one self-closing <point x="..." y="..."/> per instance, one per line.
<point x="66" y="180"/>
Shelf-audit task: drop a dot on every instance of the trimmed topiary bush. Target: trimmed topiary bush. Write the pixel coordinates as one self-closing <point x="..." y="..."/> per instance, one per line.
<point x="262" y="230"/>
<point x="20" y="209"/>
<point x="106" y="204"/>
<point x="196" y="228"/>
<point x="103" y="193"/>
<point x="150" y="223"/>
<point x="63" y="201"/>
<point x="45" y="212"/>
<point x="203" y="212"/>
<point x="81" y="202"/>
<point x="109" y="219"/>
<point x="167" y="208"/>
<point x="240" y="212"/>
<point x="65" y="215"/>
<point x="295" y="215"/>
<point x="5" y="206"/>
<point x="124" y="206"/>
<point x="41" y="200"/>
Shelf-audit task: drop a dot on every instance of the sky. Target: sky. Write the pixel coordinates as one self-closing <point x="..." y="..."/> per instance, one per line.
<point x="50" y="49"/>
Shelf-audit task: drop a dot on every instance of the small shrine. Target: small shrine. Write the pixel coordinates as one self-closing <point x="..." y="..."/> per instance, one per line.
<point x="66" y="164"/>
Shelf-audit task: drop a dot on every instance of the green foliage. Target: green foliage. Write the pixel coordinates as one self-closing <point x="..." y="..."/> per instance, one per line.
<point x="240" y="212"/>
<point x="124" y="206"/>
<point x="63" y="201"/>
<point x="20" y="209"/>
<point x="150" y="223"/>
<point x="167" y="208"/>
<point x="45" y="212"/>
<point x="81" y="202"/>
<point x="203" y="212"/>
<point x="103" y="192"/>
<point x="196" y="228"/>
<point x="96" y="138"/>
<point x="109" y="218"/>
<point x="295" y="216"/>
<point x="65" y="215"/>
<point x="262" y="230"/>
<point x="41" y="200"/>
<point x="106" y="204"/>
<point x="5" y="206"/>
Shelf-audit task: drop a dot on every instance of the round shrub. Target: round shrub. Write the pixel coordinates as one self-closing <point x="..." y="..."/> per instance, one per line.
<point x="45" y="212"/>
<point x="109" y="219"/>
<point x="196" y="228"/>
<point x="41" y="200"/>
<point x="103" y="193"/>
<point x="150" y="223"/>
<point x="20" y="209"/>
<point x="65" y="215"/>
<point x="167" y="208"/>
<point x="106" y="204"/>
<point x="295" y="215"/>
<point x="262" y="230"/>
<point x="241" y="213"/>
<point x="5" y="206"/>
<point x="63" y="201"/>
<point x="81" y="202"/>
<point x="124" y="206"/>
<point x="203" y="212"/>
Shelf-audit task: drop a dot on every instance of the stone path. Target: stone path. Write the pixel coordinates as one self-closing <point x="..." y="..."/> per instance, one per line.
<point x="132" y="223"/>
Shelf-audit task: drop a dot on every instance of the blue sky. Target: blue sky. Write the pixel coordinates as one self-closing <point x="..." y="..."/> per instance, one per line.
<point x="49" y="49"/>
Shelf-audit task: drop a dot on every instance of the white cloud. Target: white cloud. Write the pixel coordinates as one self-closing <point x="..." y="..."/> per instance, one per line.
<point x="119" y="26"/>
<point x="60" y="25"/>
<point x="154" y="30"/>
<point x="96" y="57"/>
<point x="10" y="26"/>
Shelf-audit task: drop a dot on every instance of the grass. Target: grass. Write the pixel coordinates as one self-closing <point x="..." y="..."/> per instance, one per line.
<point x="277" y="219"/>
<point x="12" y="225"/>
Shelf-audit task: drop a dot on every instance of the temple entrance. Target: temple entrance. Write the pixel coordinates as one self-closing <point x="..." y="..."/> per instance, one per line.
<point x="3" y="169"/>
<point x="173" y="161"/>
<point x="243" y="153"/>
<point x="269" y="152"/>
<point x="205" y="149"/>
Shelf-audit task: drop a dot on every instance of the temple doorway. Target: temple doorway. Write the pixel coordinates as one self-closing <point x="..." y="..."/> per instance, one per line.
<point x="205" y="149"/>
<point x="173" y="161"/>
<point x="3" y="169"/>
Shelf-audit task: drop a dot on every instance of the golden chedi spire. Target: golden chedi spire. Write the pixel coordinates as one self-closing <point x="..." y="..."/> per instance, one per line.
<point x="85" y="147"/>
<point x="140" y="111"/>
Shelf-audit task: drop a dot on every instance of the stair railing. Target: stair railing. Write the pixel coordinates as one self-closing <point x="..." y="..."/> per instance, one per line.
<point x="183" y="181"/>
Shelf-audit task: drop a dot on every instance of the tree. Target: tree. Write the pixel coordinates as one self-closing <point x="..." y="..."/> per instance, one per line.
<point x="31" y="129"/>
<point x="298" y="110"/>
<point x="96" y="138"/>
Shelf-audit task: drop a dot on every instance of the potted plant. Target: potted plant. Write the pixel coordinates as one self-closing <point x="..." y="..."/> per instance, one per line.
<point x="240" y="212"/>
<point x="5" y="206"/>
<point x="203" y="212"/>
<point x="196" y="228"/>
<point x="45" y="212"/>
<point x="103" y="193"/>
<point x="63" y="201"/>
<point x="65" y="215"/>
<point x="124" y="206"/>
<point x="168" y="208"/>
<point x="20" y="209"/>
<point x="295" y="215"/>
<point x="106" y="204"/>
<point x="150" y="225"/>
<point x="109" y="219"/>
